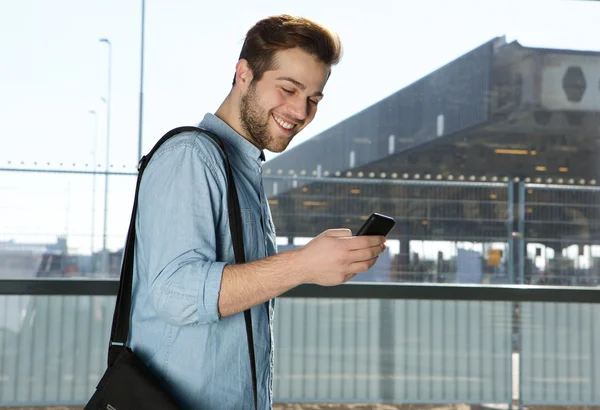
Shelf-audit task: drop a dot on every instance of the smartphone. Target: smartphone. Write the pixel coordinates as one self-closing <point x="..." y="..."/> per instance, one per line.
<point x="377" y="224"/>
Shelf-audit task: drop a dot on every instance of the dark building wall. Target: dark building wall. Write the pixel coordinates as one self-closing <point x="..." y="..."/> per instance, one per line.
<point x="459" y="91"/>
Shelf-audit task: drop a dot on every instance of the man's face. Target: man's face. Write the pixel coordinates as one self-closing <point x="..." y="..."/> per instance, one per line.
<point x="284" y="101"/>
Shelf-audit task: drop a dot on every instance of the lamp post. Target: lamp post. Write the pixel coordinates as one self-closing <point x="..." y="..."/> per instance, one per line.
<point x="107" y="100"/>
<point x="92" y="245"/>
<point x="141" y="83"/>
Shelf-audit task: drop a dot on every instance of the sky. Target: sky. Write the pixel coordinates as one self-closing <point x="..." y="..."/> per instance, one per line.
<point x="54" y="70"/>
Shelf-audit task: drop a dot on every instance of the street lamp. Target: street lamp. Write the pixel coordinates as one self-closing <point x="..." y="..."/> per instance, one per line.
<point x="141" y="83"/>
<point x="107" y="100"/>
<point x="93" y="112"/>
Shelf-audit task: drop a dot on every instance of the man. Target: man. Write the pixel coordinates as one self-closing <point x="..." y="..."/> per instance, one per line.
<point x="189" y="296"/>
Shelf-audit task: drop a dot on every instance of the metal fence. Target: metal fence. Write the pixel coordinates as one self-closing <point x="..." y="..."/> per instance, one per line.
<point x="466" y="231"/>
<point x="445" y="230"/>
<point x="392" y="344"/>
<point x="58" y="222"/>
<point x="561" y="227"/>
<point x="419" y="351"/>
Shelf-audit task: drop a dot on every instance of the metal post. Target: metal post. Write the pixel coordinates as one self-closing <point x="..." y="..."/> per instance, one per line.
<point x="522" y="258"/>
<point x="93" y="232"/>
<point x="105" y="261"/>
<point x="509" y="226"/>
<point x="522" y="254"/>
<point x="141" y="83"/>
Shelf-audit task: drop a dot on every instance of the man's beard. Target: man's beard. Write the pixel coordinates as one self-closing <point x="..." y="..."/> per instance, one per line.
<point x="255" y="122"/>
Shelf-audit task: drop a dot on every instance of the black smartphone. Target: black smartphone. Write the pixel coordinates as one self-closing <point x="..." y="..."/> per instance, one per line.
<point x="377" y="224"/>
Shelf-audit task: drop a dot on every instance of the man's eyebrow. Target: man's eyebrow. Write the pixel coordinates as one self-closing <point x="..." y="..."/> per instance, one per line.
<point x="299" y="85"/>
<point x="295" y="82"/>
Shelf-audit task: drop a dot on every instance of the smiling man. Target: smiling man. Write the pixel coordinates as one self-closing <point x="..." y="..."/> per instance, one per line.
<point x="278" y="105"/>
<point x="189" y="296"/>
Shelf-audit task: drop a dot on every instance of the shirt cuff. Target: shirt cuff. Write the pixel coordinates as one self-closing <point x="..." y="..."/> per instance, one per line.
<point x="209" y="299"/>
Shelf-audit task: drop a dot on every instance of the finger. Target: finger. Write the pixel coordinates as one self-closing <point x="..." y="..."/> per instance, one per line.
<point x="349" y="276"/>
<point x="367" y="254"/>
<point x="341" y="232"/>
<point x="362" y="242"/>
<point x="363" y="266"/>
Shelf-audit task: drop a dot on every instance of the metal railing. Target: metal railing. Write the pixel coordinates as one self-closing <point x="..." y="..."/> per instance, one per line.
<point x="380" y="343"/>
<point x="447" y="231"/>
<point x="440" y="342"/>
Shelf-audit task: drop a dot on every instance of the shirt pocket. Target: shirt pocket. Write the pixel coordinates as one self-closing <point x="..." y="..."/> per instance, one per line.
<point x="250" y="229"/>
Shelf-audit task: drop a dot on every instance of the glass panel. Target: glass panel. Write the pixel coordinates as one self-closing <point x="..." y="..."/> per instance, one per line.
<point x="52" y="348"/>
<point x="57" y="228"/>
<point x="334" y="350"/>
<point x="560" y="354"/>
<point x="472" y="123"/>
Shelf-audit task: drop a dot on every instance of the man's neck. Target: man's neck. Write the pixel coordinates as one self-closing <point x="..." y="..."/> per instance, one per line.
<point x="229" y="114"/>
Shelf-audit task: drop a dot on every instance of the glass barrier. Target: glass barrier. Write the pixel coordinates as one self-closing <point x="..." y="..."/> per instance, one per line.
<point x="53" y="350"/>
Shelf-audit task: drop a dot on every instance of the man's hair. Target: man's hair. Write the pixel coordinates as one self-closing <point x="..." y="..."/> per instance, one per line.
<point x="284" y="32"/>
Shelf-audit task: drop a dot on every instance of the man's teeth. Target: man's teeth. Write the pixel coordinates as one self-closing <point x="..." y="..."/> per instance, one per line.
<point x="284" y="124"/>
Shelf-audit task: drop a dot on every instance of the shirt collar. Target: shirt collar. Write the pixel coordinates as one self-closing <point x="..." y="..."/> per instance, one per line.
<point x="213" y="123"/>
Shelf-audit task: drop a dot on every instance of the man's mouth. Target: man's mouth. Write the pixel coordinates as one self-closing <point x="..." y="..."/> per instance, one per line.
<point x="284" y="124"/>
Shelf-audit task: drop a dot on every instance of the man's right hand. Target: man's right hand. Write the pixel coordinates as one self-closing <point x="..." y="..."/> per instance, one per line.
<point x="335" y="256"/>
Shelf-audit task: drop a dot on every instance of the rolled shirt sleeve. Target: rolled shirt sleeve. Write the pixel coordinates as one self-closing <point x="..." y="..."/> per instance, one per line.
<point x="182" y="202"/>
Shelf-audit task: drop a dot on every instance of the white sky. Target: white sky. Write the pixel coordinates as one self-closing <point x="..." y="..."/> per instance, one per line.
<point x="53" y="70"/>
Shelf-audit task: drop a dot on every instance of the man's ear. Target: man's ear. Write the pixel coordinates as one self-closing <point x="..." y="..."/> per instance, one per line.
<point x="243" y="74"/>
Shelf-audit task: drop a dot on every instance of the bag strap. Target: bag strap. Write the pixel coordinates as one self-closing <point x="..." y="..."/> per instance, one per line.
<point x="121" y="318"/>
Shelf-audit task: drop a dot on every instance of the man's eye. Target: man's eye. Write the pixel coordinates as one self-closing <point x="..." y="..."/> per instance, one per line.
<point x="314" y="102"/>
<point x="288" y="91"/>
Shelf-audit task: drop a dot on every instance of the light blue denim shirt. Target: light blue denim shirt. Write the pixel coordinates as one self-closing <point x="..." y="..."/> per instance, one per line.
<point x="183" y="243"/>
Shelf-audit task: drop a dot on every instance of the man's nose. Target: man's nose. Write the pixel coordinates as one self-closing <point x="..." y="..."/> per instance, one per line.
<point x="299" y="110"/>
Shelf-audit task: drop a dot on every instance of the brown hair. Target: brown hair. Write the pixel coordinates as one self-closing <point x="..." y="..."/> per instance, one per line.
<point x="283" y="32"/>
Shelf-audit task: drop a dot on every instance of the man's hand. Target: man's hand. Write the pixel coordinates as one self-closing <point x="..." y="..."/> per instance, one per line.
<point x="335" y="256"/>
<point x="330" y="259"/>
